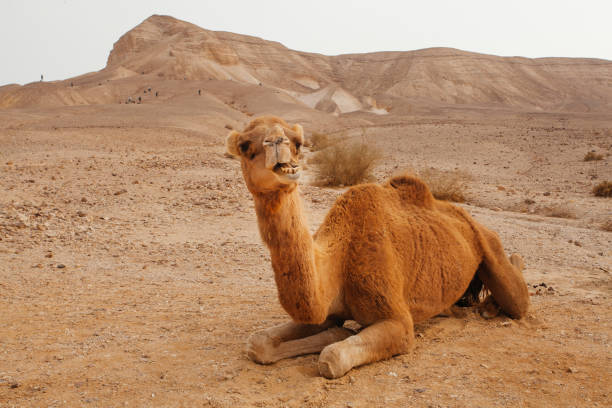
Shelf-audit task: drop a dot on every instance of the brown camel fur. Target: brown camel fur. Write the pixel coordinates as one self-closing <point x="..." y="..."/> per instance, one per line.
<point x="386" y="256"/>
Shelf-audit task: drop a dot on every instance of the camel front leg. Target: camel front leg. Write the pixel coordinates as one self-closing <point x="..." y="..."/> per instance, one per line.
<point x="292" y="339"/>
<point x="379" y="341"/>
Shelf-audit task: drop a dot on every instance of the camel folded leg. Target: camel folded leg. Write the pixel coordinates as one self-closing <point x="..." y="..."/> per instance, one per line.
<point x="379" y="341"/>
<point x="504" y="277"/>
<point x="292" y="339"/>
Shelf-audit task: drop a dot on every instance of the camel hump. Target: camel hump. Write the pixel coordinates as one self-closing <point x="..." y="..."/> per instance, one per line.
<point x="412" y="190"/>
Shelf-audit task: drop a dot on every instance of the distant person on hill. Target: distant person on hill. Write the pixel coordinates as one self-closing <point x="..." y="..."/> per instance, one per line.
<point x="156" y="93"/>
<point x="199" y="92"/>
<point x="139" y="99"/>
<point x="41" y="78"/>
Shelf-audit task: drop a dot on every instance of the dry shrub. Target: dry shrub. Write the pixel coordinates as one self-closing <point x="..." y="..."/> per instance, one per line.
<point x="603" y="189"/>
<point x="592" y="156"/>
<point x="449" y="185"/>
<point x="319" y="141"/>
<point x="345" y="164"/>
<point x="557" y="211"/>
<point x="607" y="225"/>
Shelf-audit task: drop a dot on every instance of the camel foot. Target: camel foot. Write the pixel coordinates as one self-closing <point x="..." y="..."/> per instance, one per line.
<point x="333" y="363"/>
<point x="489" y="309"/>
<point x="517" y="261"/>
<point x="260" y="348"/>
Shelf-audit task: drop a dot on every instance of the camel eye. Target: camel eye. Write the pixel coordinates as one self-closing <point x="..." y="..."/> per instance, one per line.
<point x="297" y="146"/>
<point x="244" y="146"/>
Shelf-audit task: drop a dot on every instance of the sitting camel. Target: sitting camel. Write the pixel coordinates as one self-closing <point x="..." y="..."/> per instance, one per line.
<point x="386" y="256"/>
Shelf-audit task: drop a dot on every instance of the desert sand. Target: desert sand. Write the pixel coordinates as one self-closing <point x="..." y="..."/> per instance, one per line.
<point x="131" y="268"/>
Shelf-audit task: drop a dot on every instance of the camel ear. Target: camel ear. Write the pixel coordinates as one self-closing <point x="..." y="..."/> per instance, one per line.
<point x="231" y="143"/>
<point x="297" y="128"/>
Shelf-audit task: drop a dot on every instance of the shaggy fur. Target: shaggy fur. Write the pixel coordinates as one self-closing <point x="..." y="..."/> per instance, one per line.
<point x="386" y="256"/>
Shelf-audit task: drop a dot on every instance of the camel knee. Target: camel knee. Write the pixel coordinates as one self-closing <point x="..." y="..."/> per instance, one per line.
<point x="334" y="360"/>
<point x="260" y="348"/>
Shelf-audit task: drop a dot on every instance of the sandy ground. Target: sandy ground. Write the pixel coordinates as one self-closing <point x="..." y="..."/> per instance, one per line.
<point x="131" y="270"/>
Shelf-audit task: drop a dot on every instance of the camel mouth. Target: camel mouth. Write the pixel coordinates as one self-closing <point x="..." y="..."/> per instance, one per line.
<point x="288" y="170"/>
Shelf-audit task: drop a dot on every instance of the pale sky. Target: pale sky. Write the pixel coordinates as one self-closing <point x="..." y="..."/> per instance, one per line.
<point x="64" y="38"/>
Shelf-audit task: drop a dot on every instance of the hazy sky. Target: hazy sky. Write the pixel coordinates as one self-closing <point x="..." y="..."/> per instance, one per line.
<point x="65" y="38"/>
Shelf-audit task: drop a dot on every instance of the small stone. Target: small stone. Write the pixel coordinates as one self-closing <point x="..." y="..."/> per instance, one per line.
<point x="81" y="213"/>
<point x="14" y="385"/>
<point x="61" y="266"/>
<point x="571" y="370"/>
<point x="420" y="390"/>
<point x="578" y="243"/>
<point x="122" y="191"/>
<point x="392" y="374"/>
<point x="83" y="200"/>
<point x="546" y="194"/>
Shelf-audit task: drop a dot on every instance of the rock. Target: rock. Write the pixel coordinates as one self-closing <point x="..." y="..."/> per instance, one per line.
<point x="14" y="385"/>
<point x="81" y="213"/>
<point x="571" y="370"/>
<point x="61" y="266"/>
<point x="578" y="243"/>
<point x="122" y="191"/>
<point x="420" y="390"/>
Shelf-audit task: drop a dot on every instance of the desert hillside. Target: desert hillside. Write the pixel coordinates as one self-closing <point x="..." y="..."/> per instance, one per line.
<point x="162" y="49"/>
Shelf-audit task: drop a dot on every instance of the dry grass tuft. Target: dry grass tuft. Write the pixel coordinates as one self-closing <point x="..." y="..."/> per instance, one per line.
<point x="557" y="211"/>
<point x="603" y="189"/>
<point x="446" y="185"/>
<point x="319" y="141"/>
<point x="592" y="156"/>
<point x="345" y="164"/>
<point x="607" y="225"/>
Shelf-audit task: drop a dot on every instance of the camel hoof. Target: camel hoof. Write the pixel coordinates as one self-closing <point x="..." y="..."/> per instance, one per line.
<point x="489" y="308"/>
<point x="517" y="260"/>
<point x="332" y="363"/>
<point x="260" y="348"/>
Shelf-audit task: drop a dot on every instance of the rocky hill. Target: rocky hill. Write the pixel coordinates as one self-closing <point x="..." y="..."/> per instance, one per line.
<point x="163" y="49"/>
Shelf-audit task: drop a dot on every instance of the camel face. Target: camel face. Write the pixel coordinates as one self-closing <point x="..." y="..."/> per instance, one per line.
<point x="268" y="149"/>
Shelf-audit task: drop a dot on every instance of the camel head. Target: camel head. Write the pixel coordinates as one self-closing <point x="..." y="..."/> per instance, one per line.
<point x="268" y="149"/>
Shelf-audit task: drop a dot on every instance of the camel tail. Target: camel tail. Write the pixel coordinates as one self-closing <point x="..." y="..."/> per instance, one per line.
<point x="503" y="276"/>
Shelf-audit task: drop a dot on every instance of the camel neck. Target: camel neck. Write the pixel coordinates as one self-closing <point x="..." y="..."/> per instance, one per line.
<point x="284" y="230"/>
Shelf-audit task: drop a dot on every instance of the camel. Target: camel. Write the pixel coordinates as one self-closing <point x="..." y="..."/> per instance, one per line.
<point x="386" y="256"/>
